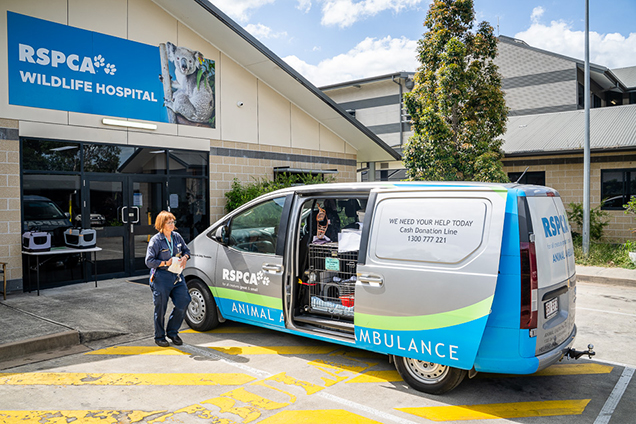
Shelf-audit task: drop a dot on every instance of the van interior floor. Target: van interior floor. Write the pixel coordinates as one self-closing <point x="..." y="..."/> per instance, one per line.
<point x="342" y="326"/>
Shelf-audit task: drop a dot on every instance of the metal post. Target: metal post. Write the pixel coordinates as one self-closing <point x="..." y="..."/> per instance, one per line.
<point x="586" y="151"/>
<point x="371" y="171"/>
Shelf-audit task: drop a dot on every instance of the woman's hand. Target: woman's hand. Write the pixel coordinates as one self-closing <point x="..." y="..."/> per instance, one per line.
<point x="168" y="263"/>
<point x="183" y="261"/>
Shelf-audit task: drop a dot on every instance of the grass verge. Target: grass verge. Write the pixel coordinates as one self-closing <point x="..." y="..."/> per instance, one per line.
<point x="602" y="254"/>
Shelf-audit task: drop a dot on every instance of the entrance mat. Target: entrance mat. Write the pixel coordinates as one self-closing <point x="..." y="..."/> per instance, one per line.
<point x="139" y="280"/>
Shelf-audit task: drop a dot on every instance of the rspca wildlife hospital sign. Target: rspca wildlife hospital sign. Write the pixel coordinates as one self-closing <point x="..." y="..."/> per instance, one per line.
<point x="56" y="66"/>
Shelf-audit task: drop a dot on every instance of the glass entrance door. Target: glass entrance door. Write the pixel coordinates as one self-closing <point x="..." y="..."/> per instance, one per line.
<point x="104" y="212"/>
<point x="147" y="201"/>
<point x="122" y="210"/>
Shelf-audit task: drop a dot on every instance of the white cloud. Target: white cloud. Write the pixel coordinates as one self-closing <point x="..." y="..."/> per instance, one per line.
<point x="304" y="5"/>
<point x="262" y="32"/>
<point x="371" y="57"/>
<point x="345" y="13"/>
<point x="239" y="9"/>
<point x="537" y="12"/>
<point x="611" y="50"/>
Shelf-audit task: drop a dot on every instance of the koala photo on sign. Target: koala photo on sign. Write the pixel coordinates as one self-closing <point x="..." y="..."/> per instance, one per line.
<point x="188" y="80"/>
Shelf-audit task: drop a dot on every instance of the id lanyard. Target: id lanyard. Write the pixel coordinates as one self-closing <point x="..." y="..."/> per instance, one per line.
<point x="170" y="245"/>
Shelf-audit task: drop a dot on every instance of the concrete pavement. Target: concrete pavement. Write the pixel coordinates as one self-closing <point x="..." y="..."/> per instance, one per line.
<point x="81" y="317"/>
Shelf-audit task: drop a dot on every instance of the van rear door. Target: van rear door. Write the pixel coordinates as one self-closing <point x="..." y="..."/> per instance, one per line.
<point x="427" y="271"/>
<point x="555" y="270"/>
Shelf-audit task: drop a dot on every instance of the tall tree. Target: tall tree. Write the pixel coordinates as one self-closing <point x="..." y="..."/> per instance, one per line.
<point x="457" y="105"/>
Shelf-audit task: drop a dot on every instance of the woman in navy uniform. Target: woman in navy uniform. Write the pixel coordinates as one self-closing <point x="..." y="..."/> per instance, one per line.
<point x="164" y="247"/>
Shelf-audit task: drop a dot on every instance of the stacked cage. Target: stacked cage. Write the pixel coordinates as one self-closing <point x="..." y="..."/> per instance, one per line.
<point x="332" y="280"/>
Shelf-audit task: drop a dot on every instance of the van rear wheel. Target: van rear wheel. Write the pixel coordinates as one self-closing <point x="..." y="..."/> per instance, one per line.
<point x="429" y="377"/>
<point x="201" y="314"/>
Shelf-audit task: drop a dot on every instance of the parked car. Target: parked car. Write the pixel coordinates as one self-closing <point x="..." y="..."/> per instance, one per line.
<point x="97" y="220"/>
<point x="42" y="214"/>
<point x="447" y="279"/>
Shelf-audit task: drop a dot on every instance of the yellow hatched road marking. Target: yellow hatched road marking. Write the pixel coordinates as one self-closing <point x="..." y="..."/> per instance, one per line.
<point x="125" y="379"/>
<point x="275" y="350"/>
<point x="85" y="417"/>
<point x="575" y="369"/>
<point x="227" y="329"/>
<point x="137" y="350"/>
<point x="376" y="377"/>
<point x="500" y="410"/>
<point x="324" y="416"/>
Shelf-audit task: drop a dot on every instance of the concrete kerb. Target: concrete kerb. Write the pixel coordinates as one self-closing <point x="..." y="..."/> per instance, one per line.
<point x="610" y="276"/>
<point x="49" y="342"/>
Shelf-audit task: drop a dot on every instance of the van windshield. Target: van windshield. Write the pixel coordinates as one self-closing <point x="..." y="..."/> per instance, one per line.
<point x="37" y="210"/>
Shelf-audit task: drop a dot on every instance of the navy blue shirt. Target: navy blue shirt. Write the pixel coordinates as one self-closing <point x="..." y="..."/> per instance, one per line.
<point x="159" y="251"/>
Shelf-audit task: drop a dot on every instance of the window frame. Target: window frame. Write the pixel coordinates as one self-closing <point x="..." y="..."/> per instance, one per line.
<point x="626" y="177"/>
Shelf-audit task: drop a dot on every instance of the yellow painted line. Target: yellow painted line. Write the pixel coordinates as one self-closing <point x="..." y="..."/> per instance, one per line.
<point x="137" y="350"/>
<point x="124" y="379"/>
<point x="319" y="416"/>
<point x="274" y="350"/>
<point x="376" y="377"/>
<point x="546" y="408"/>
<point x="228" y="330"/>
<point x="84" y="417"/>
<point x="575" y="369"/>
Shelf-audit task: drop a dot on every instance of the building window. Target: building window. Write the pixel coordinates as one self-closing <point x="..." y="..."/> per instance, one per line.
<point x="534" y="178"/>
<point x="632" y="98"/>
<point x="613" y="99"/>
<point x="617" y="187"/>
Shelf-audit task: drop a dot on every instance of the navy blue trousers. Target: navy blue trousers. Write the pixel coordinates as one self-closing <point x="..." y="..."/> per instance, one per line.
<point x="165" y="286"/>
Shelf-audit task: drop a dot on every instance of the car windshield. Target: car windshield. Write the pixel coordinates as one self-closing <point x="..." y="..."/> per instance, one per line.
<point x="35" y="210"/>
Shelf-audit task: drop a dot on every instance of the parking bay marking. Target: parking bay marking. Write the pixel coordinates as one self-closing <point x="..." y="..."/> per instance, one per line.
<point x="88" y="417"/>
<point x="125" y="379"/>
<point x="499" y="410"/>
<point x="274" y="350"/>
<point x="138" y="350"/>
<point x="385" y="376"/>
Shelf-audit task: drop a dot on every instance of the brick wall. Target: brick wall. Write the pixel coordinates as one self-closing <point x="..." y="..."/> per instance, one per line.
<point x="10" y="225"/>
<point x="567" y="179"/>
<point x="224" y="168"/>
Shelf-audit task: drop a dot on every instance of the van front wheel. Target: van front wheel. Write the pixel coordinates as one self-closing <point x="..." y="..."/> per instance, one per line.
<point x="201" y="314"/>
<point x="429" y="377"/>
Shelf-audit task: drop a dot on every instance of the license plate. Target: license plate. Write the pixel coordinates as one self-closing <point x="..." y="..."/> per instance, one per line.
<point x="551" y="308"/>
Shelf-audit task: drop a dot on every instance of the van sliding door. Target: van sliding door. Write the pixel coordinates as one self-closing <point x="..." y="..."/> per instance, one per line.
<point x="427" y="277"/>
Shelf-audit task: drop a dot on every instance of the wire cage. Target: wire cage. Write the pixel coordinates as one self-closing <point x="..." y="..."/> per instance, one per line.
<point x="332" y="280"/>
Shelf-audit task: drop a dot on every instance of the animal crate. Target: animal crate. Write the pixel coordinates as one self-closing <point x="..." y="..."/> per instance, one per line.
<point x="332" y="280"/>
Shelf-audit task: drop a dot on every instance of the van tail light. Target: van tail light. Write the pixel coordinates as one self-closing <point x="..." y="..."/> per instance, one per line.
<point x="529" y="285"/>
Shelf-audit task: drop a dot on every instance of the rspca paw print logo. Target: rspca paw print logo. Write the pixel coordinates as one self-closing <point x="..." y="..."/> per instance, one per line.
<point x="260" y="276"/>
<point x="100" y="62"/>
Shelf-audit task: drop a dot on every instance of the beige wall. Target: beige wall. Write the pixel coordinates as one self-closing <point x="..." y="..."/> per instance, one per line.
<point x="10" y="224"/>
<point x="223" y="170"/>
<point x="567" y="179"/>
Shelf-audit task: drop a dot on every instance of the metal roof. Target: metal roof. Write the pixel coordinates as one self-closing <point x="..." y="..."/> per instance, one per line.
<point x="627" y="76"/>
<point x="610" y="128"/>
<point x="205" y="19"/>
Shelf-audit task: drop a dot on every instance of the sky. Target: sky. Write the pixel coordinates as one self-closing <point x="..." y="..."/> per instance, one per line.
<point x="333" y="41"/>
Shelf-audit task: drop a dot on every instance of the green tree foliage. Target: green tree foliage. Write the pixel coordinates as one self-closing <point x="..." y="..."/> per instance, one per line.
<point x="242" y="193"/>
<point x="457" y="105"/>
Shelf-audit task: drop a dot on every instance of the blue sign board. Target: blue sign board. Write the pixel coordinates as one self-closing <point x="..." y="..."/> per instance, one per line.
<point x="56" y="66"/>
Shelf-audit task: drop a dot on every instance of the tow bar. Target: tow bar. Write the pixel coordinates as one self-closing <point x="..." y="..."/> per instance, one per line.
<point x="576" y="354"/>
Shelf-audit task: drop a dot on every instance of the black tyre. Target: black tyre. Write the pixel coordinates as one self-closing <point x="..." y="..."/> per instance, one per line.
<point x="201" y="314"/>
<point x="429" y="377"/>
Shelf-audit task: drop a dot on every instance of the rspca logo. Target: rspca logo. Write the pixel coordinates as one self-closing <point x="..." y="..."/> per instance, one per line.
<point x="245" y="277"/>
<point x="55" y="58"/>
<point x="554" y="225"/>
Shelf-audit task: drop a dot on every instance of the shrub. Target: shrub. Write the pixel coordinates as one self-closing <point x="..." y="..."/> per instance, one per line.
<point x="241" y="193"/>
<point x="598" y="220"/>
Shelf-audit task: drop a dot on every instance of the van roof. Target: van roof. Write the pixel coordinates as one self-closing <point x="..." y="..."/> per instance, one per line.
<point x="527" y="190"/>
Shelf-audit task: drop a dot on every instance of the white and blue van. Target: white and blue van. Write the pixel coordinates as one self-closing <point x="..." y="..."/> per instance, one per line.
<point x="447" y="279"/>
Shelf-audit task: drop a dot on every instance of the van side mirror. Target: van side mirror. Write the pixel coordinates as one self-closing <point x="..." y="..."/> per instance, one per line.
<point x="223" y="235"/>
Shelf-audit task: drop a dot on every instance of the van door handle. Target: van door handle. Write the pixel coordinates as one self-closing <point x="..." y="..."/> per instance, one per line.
<point x="272" y="268"/>
<point x="371" y="280"/>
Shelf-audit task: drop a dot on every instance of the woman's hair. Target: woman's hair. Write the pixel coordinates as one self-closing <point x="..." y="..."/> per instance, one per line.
<point x="162" y="218"/>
